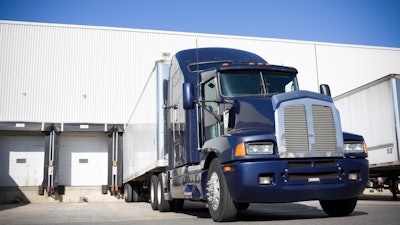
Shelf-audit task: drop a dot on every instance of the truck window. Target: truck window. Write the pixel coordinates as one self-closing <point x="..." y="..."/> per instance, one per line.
<point x="210" y="110"/>
<point x="280" y="83"/>
<point x="253" y="83"/>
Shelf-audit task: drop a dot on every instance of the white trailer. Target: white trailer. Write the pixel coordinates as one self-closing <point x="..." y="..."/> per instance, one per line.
<point x="146" y="128"/>
<point x="372" y="110"/>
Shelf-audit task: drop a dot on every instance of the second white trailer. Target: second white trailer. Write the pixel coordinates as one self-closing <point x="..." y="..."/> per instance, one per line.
<point x="372" y="110"/>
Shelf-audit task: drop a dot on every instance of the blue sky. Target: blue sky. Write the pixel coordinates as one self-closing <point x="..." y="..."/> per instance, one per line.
<point x="361" y="22"/>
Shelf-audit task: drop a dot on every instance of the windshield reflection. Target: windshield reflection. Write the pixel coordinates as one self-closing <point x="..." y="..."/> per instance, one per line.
<point x="256" y="83"/>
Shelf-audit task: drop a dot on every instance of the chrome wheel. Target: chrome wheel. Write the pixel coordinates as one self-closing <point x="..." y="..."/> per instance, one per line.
<point x="220" y="203"/>
<point x="213" y="191"/>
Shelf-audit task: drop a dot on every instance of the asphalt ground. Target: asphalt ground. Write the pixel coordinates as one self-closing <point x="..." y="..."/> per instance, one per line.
<point x="372" y="208"/>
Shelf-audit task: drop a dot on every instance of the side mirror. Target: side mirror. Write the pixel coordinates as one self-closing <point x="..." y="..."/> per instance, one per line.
<point x="187" y="96"/>
<point x="325" y="90"/>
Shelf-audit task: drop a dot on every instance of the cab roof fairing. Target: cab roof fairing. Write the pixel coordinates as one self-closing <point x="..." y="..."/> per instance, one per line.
<point x="201" y="55"/>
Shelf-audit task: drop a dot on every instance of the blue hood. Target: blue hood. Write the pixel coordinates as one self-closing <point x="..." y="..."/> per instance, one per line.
<point x="254" y="115"/>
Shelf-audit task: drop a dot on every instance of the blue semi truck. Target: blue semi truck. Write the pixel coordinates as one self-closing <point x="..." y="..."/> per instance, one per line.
<point x="225" y="127"/>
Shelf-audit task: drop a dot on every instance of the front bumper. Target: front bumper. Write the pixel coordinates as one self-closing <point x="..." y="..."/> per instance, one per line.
<point x="297" y="180"/>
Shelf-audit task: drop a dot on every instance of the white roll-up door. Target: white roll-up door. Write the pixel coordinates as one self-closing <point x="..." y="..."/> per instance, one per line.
<point x="21" y="160"/>
<point x="83" y="159"/>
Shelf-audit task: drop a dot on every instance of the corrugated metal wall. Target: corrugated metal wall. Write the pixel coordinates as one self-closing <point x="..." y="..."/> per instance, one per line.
<point x="73" y="74"/>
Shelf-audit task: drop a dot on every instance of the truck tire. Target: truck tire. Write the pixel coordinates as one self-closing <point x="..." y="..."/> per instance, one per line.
<point x="163" y="205"/>
<point x="153" y="192"/>
<point x="220" y="203"/>
<point x="398" y="186"/>
<point x="135" y="193"/>
<point x="338" y="208"/>
<point x="128" y="192"/>
<point x="41" y="190"/>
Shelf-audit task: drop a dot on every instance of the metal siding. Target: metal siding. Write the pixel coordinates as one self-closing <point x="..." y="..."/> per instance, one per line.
<point x="75" y="149"/>
<point x="64" y="73"/>
<point x="21" y="160"/>
<point x="347" y="67"/>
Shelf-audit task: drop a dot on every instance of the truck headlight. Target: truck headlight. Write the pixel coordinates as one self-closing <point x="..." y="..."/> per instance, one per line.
<point x="354" y="147"/>
<point x="260" y="148"/>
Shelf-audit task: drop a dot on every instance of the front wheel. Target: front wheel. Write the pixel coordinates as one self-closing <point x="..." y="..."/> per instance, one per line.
<point x="341" y="207"/>
<point x="220" y="203"/>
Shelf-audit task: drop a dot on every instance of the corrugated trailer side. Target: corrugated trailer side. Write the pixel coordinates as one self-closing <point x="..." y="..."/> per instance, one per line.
<point x="144" y="141"/>
<point x="373" y="111"/>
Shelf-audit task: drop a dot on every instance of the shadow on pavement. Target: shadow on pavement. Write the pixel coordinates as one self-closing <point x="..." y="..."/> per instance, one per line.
<point x="266" y="212"/>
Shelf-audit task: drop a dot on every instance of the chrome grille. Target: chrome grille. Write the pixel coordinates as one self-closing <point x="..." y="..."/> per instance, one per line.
<point x="309" y="128"/>
<point x="296" y="131"/>
<point x="324" y="128"/>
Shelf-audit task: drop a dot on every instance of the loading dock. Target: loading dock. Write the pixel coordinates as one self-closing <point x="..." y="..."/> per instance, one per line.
<point x="21" y="159"/>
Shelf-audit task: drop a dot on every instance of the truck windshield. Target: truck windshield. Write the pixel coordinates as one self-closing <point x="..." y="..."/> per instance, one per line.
<point x="251" y="83"/>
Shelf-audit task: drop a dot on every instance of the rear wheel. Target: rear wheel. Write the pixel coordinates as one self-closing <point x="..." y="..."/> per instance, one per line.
<point x="135" y="193"/>
<point x="162" y="204"/>
<point x="128" y="192"/>
<point x="220" y="203"/>
<point x="341" y="207"/>
<point x="153" y="192"/>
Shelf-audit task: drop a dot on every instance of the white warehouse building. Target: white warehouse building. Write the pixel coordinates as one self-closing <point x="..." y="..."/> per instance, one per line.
<point x="66" y="92"/>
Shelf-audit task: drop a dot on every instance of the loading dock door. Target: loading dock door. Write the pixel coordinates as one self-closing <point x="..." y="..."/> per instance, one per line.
<point x="21" y="160"/>
<point x="83" y="159"/>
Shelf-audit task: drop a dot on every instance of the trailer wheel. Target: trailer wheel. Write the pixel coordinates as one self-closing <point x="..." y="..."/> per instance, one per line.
<point x="128" y="192"/>
<point x="153" y="192"/>
<point x="220" y="203"/>
<point x="341" y="207"/>
<point x="135" y="193"/>
<point x="41" y="190"/>
<point x="163" y="205"/>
